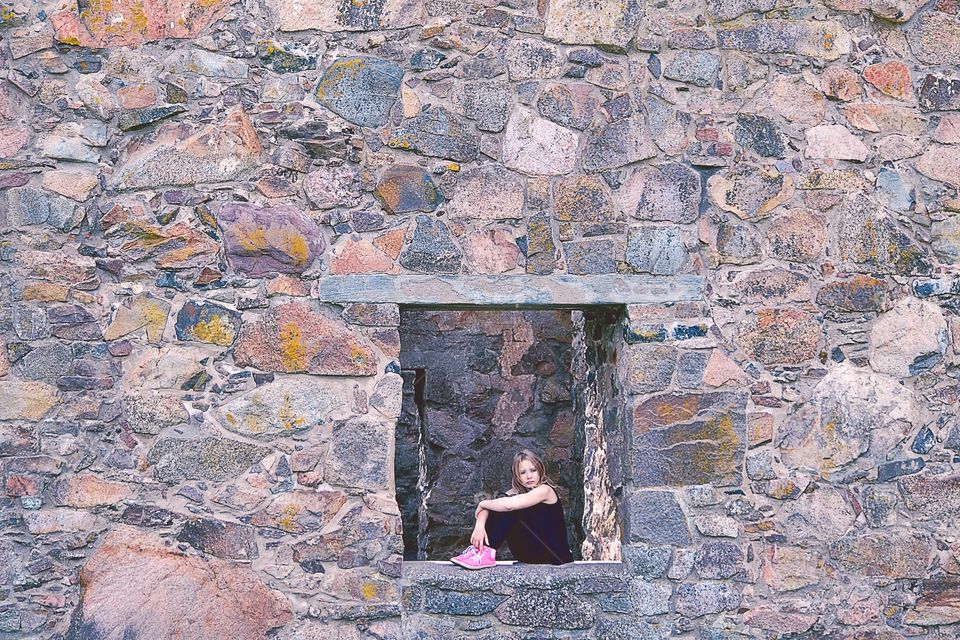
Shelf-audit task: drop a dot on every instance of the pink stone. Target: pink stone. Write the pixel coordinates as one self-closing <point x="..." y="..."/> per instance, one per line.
<point x="123" y="23"/>
<point x="74" y="184"/>
<point x="12" y="139"/>
<point x="490" y="251"/>
<point x="948" y="131"/>
<point x="261" y="240"/>
<point x="835" y="142"/>
<point x="360" y="256"/>
<point x="188" y="596"/>
<point x="770" y="618"/>
<point x="720" y="370"/>
<point x="88" y="491"/>
<point x="891" y="78"/>
<point x="137" y="96"/>
<point x="296" y="338"/>
<point x="840" y="83"/>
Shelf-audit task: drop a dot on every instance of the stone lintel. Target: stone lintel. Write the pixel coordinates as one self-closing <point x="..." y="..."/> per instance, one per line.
<point x="510" y="291"/>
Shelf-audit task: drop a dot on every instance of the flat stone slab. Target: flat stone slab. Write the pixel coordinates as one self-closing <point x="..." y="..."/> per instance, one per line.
<point x="446" y="575"/>
<point x="510" y="291"/>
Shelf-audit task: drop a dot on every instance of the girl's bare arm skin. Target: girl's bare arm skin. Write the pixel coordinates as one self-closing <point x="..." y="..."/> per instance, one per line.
<point x="543" y="493"/>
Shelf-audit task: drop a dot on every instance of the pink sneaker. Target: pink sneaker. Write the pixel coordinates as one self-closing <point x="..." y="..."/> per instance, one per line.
<point x="473" y="558"/>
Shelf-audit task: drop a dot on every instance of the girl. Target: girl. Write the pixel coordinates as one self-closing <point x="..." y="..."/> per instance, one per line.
<point x="529" y="519"/>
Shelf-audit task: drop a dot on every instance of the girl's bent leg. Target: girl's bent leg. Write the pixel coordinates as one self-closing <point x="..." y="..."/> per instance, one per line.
<point x="499" y="525"/>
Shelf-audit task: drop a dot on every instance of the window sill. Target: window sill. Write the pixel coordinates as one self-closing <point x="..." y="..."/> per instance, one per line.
<point x="445" y="575"/>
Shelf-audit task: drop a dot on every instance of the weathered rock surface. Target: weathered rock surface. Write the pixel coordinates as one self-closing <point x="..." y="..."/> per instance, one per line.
<point x="489" y="192"/>
<point x="360" y="89"/>
<point x="908" y="339"/>
<point x="204" y="599"/>
<point x="300" y="15"/>
<point x="536" y="146"/>
<point x="215" y="459"/>
<point x="295" y="338"/>
<point x="258" y="240"/>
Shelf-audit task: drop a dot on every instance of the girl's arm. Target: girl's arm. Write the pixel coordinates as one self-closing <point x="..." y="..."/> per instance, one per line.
<point x="522" y="501"/>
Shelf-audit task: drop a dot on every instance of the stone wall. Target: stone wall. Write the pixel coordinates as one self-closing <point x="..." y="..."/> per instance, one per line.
<point x="187" y="433"/>
<point x="494" y="382"/>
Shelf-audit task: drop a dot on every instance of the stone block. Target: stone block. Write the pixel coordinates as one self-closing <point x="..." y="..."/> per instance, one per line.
<point x="405" y="188"/>
<point x="359" y="454"/>
<point x="892" y="554"/>
<point x="206" y="458"/>
<point x="908" y="339"/>
<point x="537" y="146"/>
<point x="648" y="368"/>
<point x="686" y="439"/>
<point x="698" y="599"/>
<point x="552" y="609"/>
<point x="655" y="517"/>
<point x="207" y="322"/>
<point x="360" y="89"/>
<point x="437" y="133"/>
<point x="220" y="539"/>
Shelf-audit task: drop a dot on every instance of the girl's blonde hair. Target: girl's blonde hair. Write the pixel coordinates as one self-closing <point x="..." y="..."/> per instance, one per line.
<point x="533" y="458"/>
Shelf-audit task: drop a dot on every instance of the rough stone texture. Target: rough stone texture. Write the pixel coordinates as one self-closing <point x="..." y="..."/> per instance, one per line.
<point x="360" y="89"/>
<point x="670" y="192"/>
<point x="358" y="454"/>
<point x="537" y="146"/>
<point x="656" y="518"/>
<point x="910" y="338"/>
<point x="298" y="15"/>
<point x="259" y="240"/>
<point x="584" y="22"/>
<point x="296" y="338"/>
<point x="431" y="250"/>
<point x="688" y="439"/>
<point x="205" y="322"/>
<point x="656" y="250"/>
<point x="777" y="335"/>
<point x="619" y="143"/>
<point x="749" y="192"/>
<point x="488" y="193"/>
<point x="187" y="595"/>
<point x="438" y="133"/>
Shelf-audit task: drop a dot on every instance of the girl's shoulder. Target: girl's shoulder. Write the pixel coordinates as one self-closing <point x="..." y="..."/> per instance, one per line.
<point x="552" y="497"/>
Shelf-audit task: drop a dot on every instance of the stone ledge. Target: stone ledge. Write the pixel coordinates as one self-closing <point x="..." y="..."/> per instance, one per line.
<point x="510" y="291"/>
<point x="446" y="575"/>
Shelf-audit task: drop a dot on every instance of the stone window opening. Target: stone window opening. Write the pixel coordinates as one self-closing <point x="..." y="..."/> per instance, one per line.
<point x="483" y="383"/>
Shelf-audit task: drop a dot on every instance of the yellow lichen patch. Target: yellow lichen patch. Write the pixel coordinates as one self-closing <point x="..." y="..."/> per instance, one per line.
<point x="232" y="419"/>
<point x="287" y="518"/>
<point x="289" y="419"/>
<point x="368" y="591"/>
<point x="215" y="331"/>
<point x="299" y="250"/>
<point x="254" y="240"/>
<point x="358" y="355"/>
<point x="293" y="349"/>
<point x="253" y="424"/>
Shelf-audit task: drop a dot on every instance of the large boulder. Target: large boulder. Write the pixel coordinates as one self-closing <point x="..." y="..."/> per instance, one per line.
<point x="135" y="586"/>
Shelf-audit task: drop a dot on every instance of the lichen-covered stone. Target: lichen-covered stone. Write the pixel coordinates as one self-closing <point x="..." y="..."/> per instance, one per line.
<point x="537" y="146"/>
<point x="488" y="192"/>
<point x="749" y="192"/>
<point x="724" y="10"/>
<point x="259" y="240"/>
<point x="129" y="23"/>
<point x="207" y="458"/>
<point x="438" y="133"/>
<point x="582" y="199"/>
<point x="656" y="250"/>
<point x="360" y="89"/>
<point x="301" y="15"/>
<point x="908" y="339"/>
<point x="613" y="145"/>
<point x="296" y="338"/>
<point x="897" y="554"/>
<point x="891" y="78"/>
<point x="204" y="599"/>
<point x="301" y="510"/>
<point x="775" y="335"/>
<point x="851" y="413"/>
<point x="669" y="192"/>
<point x="687" y="439"/>
<point x="290" y="405"/>
<point x="859" y="293"/>
<point x="649" y="368"/>
<point x="569" y="105"/>
<point x="588" y="257"/>
<point x="798" y="235"/>
<point x="432" y="249"/>
<point x="207" y="322"/>
<point x="405" y="188"/>
<point x="585" y="22"/>
<point x="358" y="454"/>
<point x="528" y="58"/>
<point x="771" y="286"/>
<point x="825" y="40"/>
<point x="874" y="243"/>
<point x="150" y="412"/>
<point x="215" y="153"/>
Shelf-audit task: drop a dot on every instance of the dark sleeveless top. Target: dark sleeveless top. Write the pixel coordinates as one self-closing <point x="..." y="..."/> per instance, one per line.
<point x="543" y="535"/>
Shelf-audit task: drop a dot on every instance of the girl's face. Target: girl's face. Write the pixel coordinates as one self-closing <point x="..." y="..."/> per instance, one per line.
<point x="529" y="477"/>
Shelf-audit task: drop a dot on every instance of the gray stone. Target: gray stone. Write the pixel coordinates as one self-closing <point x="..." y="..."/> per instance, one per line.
<point x="488" y="103"/>
<point x="205" y="458"/>
<point x="529" y="59"/>
<point x="205" y="63"/>
<point x="149" y="412"/>
<point x="650" y="598"/>
<point x="934" y="38"/>
<point x="717" y="526"/>
<point x="649" y="368"/>
<point x="569" y="105"/>
<point x="878" y="505"/>
<point x="873" y="242"/>
<point x="618" y="143"/>
<point x="30" y="323"/>
<point x="698" y="599"/>
<point x="647" y="561"/>
<point x="724" y="10"/>
<point x="358" y="454"/>
<point x="891" y="554"/>
<point x="552" y="609"/>
<point x="130" y="120"/>
<point x="939" y="93"/>
<point x="891" y="470"/>
<point x="46" y="362"/>
<point x="894" y="191"/>
<point x="908" y="339"/>
<point x="760" y="134"/>
<point x="931" y="496"/>
<point x="945" y="236"/>
<point x="656" y="517"/>
<point x="438" y="133"/>
<point x="694" y="67"/>
<point x="588" y="257"/>
<point x="609" y="628"/>
<point x="718" y="560"/>
<point x="690" y="368"/>
<point x="669" y="192"/>
<point x="432" y="249"/>
<point x="360" y="89"/>
<point x="818" y="39"/>
<point x="220" y="539"/>
<point x="656" y="250"/>
<point x="760" y="466"/>
<point x="441" y="601"/>
<point x="738" y="244"/>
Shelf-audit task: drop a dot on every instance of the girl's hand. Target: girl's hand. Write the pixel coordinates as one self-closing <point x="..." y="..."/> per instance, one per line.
<point x="479" y="537"/>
